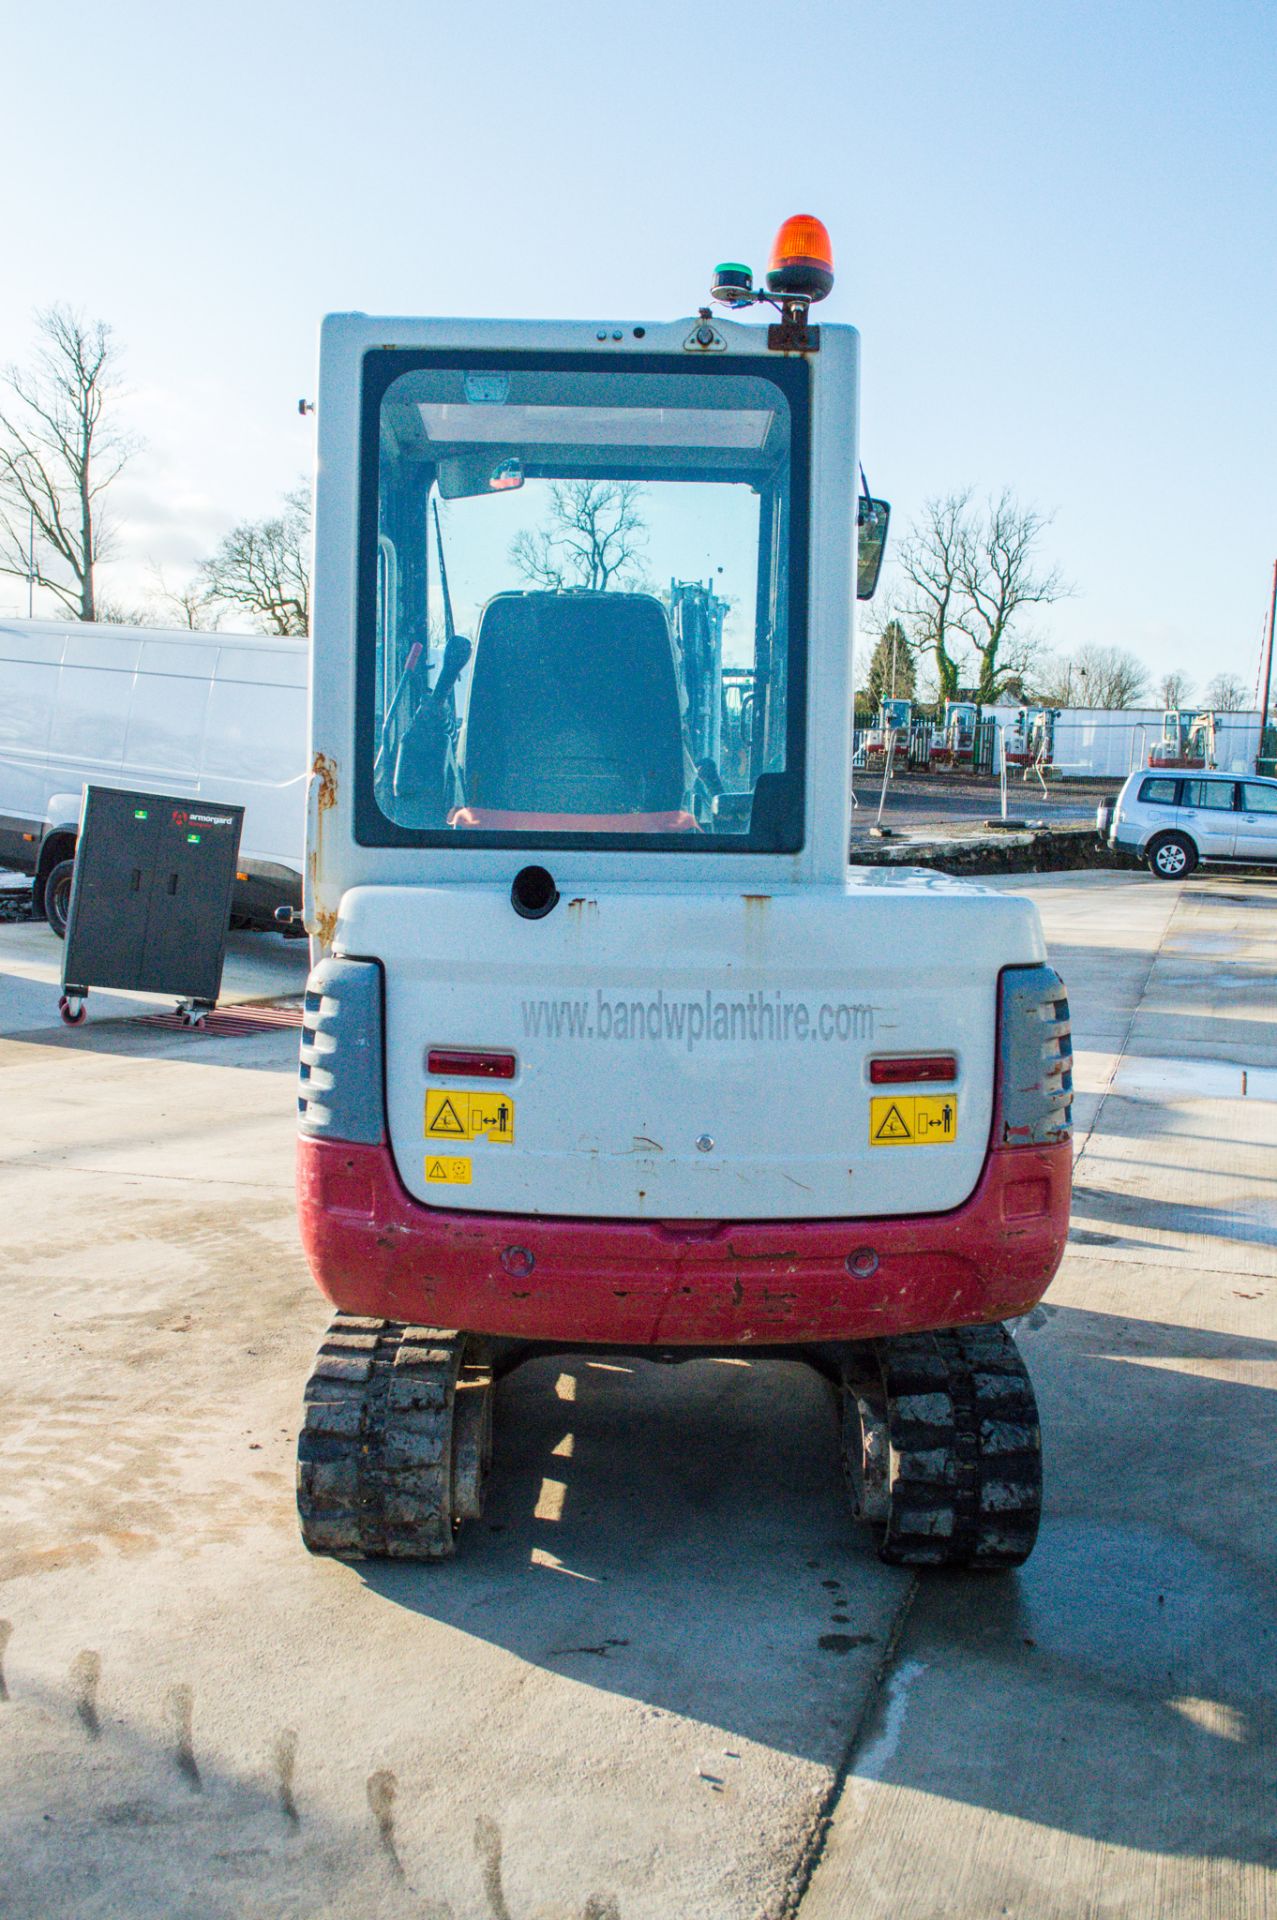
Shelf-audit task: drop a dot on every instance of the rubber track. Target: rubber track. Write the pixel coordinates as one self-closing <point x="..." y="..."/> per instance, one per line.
<point x="374" y="1457"/>
<point x="966" y="1450"/>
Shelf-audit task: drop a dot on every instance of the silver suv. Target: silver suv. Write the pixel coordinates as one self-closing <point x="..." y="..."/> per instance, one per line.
<point x="1175" y="820"/>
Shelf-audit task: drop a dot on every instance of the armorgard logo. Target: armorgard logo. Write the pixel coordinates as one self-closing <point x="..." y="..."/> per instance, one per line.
<point x="181" y="818"/>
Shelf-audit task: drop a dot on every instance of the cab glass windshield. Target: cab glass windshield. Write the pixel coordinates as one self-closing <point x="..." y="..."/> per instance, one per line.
<point x="581" y="601"/>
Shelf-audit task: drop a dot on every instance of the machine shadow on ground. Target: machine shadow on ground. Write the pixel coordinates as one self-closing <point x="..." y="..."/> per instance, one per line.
<point x="679" y="1534"/>
<point x="1163" y="1216"/>
<point x="1154" y="1630"/>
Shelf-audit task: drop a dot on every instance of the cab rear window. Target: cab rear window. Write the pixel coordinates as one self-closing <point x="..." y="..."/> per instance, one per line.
<point x="544" y="658"/>
<point x="1159" y="793"/>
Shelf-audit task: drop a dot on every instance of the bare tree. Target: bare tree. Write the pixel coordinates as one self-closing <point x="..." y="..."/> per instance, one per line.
<point x="999" y="577"/>
<point x="1225" y="694"/>
<point x="263" y="568"/>
<point x="1108" y="677"/>
<point x="594" y="537"/>
<point x="930" y="560"/>
<point x="1175" y="689"/>
<point x="59" y="454"/>
<point x="1054" y="682"/>
<point x="1094" y="676"/>
<point x="187" y="605"/>
<point x="122" y="613"/>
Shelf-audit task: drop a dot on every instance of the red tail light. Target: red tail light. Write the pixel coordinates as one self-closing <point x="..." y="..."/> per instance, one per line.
<point x="469" y="1064"/>
<point x="906" y="1072"/>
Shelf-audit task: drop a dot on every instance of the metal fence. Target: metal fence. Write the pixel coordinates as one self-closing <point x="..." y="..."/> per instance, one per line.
<point x="1089" y="743"/>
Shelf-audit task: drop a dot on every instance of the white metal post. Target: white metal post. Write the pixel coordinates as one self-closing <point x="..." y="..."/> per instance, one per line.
<point x="886" y="772"/>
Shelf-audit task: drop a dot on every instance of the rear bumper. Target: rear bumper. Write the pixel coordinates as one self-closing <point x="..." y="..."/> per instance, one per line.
<point x="375" y="1250"/>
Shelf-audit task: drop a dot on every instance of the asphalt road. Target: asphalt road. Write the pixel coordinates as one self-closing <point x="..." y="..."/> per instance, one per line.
<point x="917" y="801"/>
<point x="665" y="1676"/>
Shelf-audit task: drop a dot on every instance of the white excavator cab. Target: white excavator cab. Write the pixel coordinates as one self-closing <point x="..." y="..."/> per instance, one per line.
<point x="523" y="492"/>
<point x="608" y="1043"/>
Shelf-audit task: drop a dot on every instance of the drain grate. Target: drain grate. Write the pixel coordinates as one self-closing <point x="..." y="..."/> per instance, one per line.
<point x="231" y="1023"/>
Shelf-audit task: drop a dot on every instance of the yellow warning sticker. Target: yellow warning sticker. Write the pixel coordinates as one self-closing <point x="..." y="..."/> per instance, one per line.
<point x="935" y="1119"/>
<point x="492" y="1116"/>
<point x="891" y="1123"/>
<point x="448" y="1115"/>
<point x="447" y="1170"/>
<point x="913" y="1120"/>
<point x="469" y="1116"/>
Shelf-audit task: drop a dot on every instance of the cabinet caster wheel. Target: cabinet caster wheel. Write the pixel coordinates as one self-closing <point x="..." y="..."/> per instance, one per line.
<point x="72" y="1010"/>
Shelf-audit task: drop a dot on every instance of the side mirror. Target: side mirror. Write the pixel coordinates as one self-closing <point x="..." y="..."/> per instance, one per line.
<point x="871" y="544"/>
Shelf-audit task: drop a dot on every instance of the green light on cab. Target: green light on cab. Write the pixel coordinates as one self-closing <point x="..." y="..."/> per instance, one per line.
<point x="140" y="813"/>
<point x="192" y="839"/>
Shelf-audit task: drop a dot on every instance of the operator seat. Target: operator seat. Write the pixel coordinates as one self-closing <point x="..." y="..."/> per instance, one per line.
<point x="574" y="716"/>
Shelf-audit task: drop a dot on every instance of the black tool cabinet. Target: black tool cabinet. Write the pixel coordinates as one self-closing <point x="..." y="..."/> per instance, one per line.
<point x="151" y="896"/>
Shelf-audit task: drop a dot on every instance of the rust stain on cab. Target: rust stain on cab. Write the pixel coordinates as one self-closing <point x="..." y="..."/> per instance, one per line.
<point x="756" y="925"/>
<point x="325" y="771"/>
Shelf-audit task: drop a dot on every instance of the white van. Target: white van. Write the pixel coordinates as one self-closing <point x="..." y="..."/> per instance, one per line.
<point x="216" y="716"/>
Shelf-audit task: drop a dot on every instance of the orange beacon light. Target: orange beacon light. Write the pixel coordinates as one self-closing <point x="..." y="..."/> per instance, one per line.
<point x="802" y="259"/>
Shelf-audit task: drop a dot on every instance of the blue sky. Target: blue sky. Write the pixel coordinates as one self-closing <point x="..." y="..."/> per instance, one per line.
<point x="1054" y="226"/>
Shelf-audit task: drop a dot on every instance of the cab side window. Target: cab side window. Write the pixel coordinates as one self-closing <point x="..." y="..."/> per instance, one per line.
<point x="1214" y="794"/>
<point x="1257" y="798"/>
<point x="1160" y="793"/>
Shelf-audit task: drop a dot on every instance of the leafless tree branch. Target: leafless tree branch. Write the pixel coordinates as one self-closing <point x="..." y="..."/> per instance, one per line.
<point x="263" y="567"/>
<point x="930" y="561"/>
<point x="998" y="579"/>
<point x="1225" y="694"/>
<point x="1093" y="676"/>
<point x="1175" y="689"/>
<point x="594" y="537"/>
<point x="187" y="605"/>
<point x="58" y="458"/>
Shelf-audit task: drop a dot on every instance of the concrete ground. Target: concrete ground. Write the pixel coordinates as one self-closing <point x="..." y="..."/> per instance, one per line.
<point x="665" y="1675"/>
<point x="1095" y="1736"/>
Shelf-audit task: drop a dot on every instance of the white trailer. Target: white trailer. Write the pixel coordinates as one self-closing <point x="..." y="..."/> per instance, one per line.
<point x="218" y="716"/>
